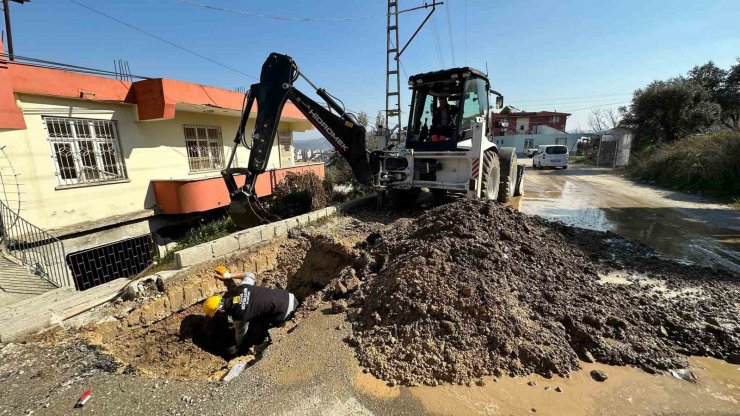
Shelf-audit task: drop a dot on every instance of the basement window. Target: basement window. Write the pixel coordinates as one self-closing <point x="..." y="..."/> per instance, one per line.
<point x="85" y="151"/>
<point x="205" y="148"/>
<point x="126" y="258"/>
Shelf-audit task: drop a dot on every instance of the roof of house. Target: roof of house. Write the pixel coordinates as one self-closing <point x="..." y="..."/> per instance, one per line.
<point x="507" y="111"/>
<point x="155" y="98"/>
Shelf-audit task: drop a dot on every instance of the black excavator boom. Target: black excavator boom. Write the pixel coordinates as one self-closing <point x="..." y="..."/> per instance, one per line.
<point x="275" y="88"/>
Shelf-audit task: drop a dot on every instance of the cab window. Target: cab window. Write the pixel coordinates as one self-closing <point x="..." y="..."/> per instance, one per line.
<point x="475" y="99"/>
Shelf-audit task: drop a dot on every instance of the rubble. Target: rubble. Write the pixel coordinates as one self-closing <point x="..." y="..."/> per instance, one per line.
<point x="471" y="289"/>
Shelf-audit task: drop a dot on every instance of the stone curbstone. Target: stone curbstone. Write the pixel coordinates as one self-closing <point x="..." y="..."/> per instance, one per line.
<point x="224" y="246"/>
<point x="281" y="228"/>
<point x="248" y="238"/>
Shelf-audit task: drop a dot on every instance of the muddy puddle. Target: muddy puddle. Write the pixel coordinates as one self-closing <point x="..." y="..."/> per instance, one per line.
<point x="187" y="345"/>
<point x="627" y="391"/>
<point x="590" y="200"/>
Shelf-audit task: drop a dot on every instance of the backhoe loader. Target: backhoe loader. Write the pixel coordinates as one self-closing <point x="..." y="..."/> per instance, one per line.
<point x="460" y="158"/>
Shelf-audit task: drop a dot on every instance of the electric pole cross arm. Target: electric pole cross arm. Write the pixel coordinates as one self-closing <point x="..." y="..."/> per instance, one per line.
<point x="274" y="89"/>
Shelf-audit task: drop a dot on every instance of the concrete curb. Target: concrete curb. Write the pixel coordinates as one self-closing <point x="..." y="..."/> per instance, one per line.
<point x="242" y="240"/>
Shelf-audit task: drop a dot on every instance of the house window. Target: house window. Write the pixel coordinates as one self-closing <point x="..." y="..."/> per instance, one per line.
<point x="561" y="141"/>
<point x="521" y="127"/>
<point x="554" y="119"/>
<point x="205" y="148"/>
<point x="85" y="151"/>
<point x="528" y="143"/>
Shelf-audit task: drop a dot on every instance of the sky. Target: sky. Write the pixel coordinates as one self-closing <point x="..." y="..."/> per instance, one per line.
<point x="569" y="56"/>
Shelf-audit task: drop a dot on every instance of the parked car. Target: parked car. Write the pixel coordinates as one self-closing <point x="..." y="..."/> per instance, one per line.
<point x="555" y="155"/>
<point x="530" y="152"/>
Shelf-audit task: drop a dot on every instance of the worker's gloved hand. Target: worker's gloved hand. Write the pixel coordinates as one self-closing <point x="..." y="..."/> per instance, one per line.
<point x="222" y="273"/>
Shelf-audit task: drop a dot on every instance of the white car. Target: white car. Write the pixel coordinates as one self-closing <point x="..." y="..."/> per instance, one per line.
<point x="555" y="155"/>
<point x="530" y="152"/>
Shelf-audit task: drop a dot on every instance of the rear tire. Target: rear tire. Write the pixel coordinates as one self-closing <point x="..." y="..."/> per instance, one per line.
<point x="491" y="178"/>
<point x="519" y="190"/>
<point x="404" y="198"/>
<point x="507" y="159"/>
<point x="439" y="195"/>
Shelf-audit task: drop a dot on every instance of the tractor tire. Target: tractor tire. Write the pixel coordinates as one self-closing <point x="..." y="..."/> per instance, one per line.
<point x="439" y="195"/>
<point x="404" y="198"/>
<point x="507" y="158"/>
<point x="519" y="189"/>
<point x="491" y="178"/>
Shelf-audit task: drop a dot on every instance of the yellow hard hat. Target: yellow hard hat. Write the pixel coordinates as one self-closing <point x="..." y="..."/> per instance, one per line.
<point x="211" y="305"/>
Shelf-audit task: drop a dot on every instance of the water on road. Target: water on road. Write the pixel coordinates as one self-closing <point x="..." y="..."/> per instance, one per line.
<point x="680" y="226"/>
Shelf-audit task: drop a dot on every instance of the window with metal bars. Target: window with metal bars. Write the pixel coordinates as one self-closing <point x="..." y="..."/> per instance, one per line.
<point x="102" y="264"/>
<point x="205" y="148"/>
<point x="85" y="151"/>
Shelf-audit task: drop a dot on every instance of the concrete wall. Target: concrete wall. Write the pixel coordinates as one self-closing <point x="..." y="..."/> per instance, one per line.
<point x="151" y="150"/>
<point x="537" y="139"/>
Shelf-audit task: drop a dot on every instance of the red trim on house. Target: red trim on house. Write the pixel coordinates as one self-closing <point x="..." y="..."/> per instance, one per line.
<point x="156" y="98"/>
<point x="11" y="116"/>
<point x="198" y="195"/>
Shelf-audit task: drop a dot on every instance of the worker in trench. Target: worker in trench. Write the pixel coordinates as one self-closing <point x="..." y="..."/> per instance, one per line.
<point x="250" y="308"/>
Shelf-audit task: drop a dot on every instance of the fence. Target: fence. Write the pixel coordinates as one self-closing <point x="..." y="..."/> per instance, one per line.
<point x="34" y="247"/>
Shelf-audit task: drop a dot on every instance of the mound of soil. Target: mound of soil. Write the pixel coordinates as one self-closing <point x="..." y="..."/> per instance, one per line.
<point x="471" y="289"/>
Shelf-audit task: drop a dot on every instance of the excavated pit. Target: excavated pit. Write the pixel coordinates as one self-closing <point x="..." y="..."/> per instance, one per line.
<point x="167" y="335"/>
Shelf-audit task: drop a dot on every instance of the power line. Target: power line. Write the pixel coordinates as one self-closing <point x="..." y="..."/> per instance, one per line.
<point x="595" y="106"/>
<point x="575" y="98"/>
<point x="437" y="42"/>
<point x="466" y="31"/>
<point x="284" y="18"/>
<point x="449" y="30"/>
<point x="161" y="39"/>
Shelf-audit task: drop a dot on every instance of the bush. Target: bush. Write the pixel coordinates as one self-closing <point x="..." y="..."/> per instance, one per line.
<point x="298" y="194"/>
<point x="708" y="163"/>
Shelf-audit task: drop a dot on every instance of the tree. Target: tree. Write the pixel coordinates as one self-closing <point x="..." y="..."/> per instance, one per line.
<point x="363" y="119"/>
<point x="731" y="98"/>
<point x="604" y="118"/>
<point x="724" y="89"/>
<point x="669" y="110"/>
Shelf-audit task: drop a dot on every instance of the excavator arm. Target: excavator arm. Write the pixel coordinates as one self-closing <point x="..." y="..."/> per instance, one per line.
<point x="274" y="89"/>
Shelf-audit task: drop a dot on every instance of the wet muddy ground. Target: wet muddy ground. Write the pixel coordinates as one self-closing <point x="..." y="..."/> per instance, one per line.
<point x="310" y="369"/>
<point x="681" y="226"/>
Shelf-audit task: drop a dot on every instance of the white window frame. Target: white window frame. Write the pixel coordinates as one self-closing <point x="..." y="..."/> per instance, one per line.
<point x="531" y="143"/>
<point x="561" y="141"/>
<point x="204" y="147"/>
<point x="106" y="163"/>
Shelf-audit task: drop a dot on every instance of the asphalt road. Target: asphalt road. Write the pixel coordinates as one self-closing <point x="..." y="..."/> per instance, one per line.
<point x="682" y="226"/>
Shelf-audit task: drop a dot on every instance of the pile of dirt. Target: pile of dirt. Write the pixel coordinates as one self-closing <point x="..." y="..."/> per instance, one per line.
<point x="471" y="289"/>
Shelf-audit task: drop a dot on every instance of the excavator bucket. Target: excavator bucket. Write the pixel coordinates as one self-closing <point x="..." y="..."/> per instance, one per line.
<point x="246" y="211"/>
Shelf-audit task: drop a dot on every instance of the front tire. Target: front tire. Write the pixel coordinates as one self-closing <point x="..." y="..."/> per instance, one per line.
<point x="507" y="159"/>
<point x="491" y="178"/>
<point x="404" y="198"/>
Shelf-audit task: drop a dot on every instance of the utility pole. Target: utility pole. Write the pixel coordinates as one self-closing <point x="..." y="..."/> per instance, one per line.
<point x="393" y="63"/>
<point x="6" y="11"/>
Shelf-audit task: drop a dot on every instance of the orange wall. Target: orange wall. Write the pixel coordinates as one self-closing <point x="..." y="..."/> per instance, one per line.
<point x="183" y="196"/>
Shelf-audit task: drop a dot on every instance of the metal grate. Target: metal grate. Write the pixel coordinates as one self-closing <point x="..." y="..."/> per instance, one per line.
<point x="34" y="247"/>
<point x="102" y="264"/>
<point x="205" y="147"/>
<point x="85" y="151"/>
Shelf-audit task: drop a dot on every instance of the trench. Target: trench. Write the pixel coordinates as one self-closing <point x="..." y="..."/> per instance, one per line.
<point x="187" y="345"/>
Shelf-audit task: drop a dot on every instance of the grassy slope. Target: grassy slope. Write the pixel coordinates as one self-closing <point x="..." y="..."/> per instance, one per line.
<point x="709" y="164"/>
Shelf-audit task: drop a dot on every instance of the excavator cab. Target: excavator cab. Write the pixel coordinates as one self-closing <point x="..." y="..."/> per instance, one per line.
<point x="432" y="126"/>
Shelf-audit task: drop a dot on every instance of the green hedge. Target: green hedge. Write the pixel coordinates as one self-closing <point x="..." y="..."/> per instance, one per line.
<point x="709" y="164"/>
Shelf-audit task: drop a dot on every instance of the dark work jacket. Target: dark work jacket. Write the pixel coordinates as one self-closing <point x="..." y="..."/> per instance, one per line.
<point x="248" y="303"/>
